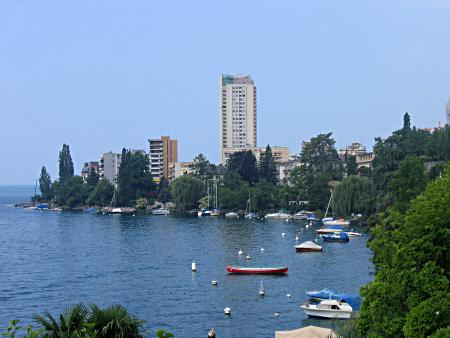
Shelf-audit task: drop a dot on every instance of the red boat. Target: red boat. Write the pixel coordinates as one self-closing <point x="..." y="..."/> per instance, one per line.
<point x="267" y="270"/>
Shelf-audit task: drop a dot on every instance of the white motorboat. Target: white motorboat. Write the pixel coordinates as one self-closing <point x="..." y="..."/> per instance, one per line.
<point x="329" y="221"/>
<point x="278" y="215"/>
<point x="327" y="308"/>
<point x="308" y="246"/>
<point x="204" y="212"/>
<point x="161" y="212"/>
<point x="231" y="215"/>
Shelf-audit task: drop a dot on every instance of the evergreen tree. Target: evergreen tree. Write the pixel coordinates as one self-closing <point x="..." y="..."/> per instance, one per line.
<point x="351" y="167"/>
<point x="244" y="163"/>
<point x="102" y="194"/>
<point x="320" y="164"/>
<point x="267" y="167"/>
<point x="92" y="178"/>
<point x="200" y="166"/>
<point x="45" y="185"/>
<point x="406" y="122"/>
<point x="134" y="179"/>
<point x="65" y="164"/>
<point x="164" y="194"/>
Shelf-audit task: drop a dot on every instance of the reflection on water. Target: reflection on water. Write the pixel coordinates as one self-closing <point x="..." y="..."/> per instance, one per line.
<point x="53" y="260"/>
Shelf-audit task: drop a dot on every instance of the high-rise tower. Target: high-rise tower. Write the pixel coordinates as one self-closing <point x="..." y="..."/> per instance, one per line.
<point x="237" y="113"/>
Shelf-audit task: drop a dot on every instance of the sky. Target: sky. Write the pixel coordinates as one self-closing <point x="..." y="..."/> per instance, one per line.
<point x="103" y="75"/>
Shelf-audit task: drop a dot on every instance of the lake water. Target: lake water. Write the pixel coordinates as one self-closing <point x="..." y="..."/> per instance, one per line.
<point x="54" y="260"/>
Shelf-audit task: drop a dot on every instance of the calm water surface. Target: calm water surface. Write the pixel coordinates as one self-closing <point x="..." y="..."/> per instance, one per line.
<point x="54" y="260"/>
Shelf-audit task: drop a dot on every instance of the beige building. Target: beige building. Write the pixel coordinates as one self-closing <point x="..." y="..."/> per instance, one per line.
<point x="237" y="113"/>
<point x="353" y="149"/>
<point x="177" y="169"/>
<point x="447" y="111"/>
<point x="162" y="152"/>
<point x="365" y="160"/>
<point x="280" y="154"/>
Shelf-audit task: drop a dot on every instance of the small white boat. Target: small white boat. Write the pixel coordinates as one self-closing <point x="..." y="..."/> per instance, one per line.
<point x="308" y="246"/>
<point x="278" y="215"/>
<point x="327" y="308"/>
<point x="329" y="221"/>
<point x="328" y="231"/>
<point x="231" y="215"/>
<point x="161" y="211"/>
<point x="204" y="212"/>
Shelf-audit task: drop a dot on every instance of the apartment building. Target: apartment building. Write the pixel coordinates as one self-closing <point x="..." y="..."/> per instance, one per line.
<point x="162" y="151"/>
<point x="237" y="113"/>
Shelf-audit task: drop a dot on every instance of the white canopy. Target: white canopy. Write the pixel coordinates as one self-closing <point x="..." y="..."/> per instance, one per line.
<point x="307" y="332"/>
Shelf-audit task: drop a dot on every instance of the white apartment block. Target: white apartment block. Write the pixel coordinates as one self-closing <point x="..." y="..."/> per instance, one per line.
<point x="279" y="154"/>
<point x="109" y="166"/>
<point x="237" y="113"/>
<point x="177" y="169"/>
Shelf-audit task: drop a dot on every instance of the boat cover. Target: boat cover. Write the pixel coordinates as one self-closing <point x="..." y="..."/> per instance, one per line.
<point x="307" y="332"/>
<point x="352" y="300"/>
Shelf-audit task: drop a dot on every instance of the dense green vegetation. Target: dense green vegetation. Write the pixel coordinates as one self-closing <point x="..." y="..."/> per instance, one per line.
<point x="81" y="321"/>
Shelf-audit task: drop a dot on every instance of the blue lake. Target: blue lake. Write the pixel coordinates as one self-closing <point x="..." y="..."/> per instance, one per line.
<point x="54" y="260"/>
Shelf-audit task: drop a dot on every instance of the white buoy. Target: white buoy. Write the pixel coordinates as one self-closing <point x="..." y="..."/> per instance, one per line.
<point x="262" y="291"/>
<point x="287" y="219"/>
<point x="282" y="234"/>
<point x="262" y="249"/>
<point x="240" y="252"/>
<point x="248" y="257"/>
<point x="276" y="314"/>
<point x="288" y="295"/>
<point x="227" y="311"/>
<point x="134" y="215"/>
<point x="194" y="266"/>
<point x="307" y="226"/>
<point x="214" y="282"/>
<point x="316" y="240"/>
<point x="296" y="238"/>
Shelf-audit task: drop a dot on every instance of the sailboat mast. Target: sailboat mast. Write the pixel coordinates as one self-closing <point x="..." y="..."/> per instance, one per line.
<point x="328" y="206"/>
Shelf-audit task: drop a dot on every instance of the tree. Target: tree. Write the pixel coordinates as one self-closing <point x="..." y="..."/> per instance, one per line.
<point x="410" y="294"/>
<point x="200" y="166"/>
<point x="320" y="164"/>
<point x="186" y="192"/>
<point x="92" y="179"/>
<point x="115" y="321"/>
<point x="71" y="322"/>
<point x="45" y="185"/>
<point x="72" y="193"/>
<point x="164" y="194"/>
<point x="351" y="167"/>
<point x="408" y="181"/>
<point x="354" y="195"/>
<point x="134" y="179"/>
<point x="65" y="164"/>
<point x="244" y="163"/>
<point x="406" y="122"/>
<point x="267" y="167"/>
<point x="102" y="194"/>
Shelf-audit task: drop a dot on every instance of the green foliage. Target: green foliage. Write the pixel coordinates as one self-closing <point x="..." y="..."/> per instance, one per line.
<point x="408" y="181"/>
<point x="351" y="167"/>
<point x="267" y="167"/>
<point x="186" y="191"/>
<point x="163" y="334"/>
<point x="141" y="203"/>
<point x="354" y="195"/>
<point x="164" y="194"/>
<point x="70" y="324"/>
<point x="102" y="193"/>
<point x="200" y="166"/>
<point x="410" y="294"/>
<point x="45" y="185"/>
<point x="65" y="164"/>
<point x="92" y="179"/>
<point x="264" y="196"/>
<point x="72" y="193"/>
<point x="320" y="164"/>
<point x="134" y="179"/>
<point x="13" y="329"/>
<point x="115" y="321"/>
<point x="244" y="163"/>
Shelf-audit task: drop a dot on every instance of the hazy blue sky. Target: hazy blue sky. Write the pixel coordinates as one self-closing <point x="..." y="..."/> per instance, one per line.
<point x="105" y="75"/>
